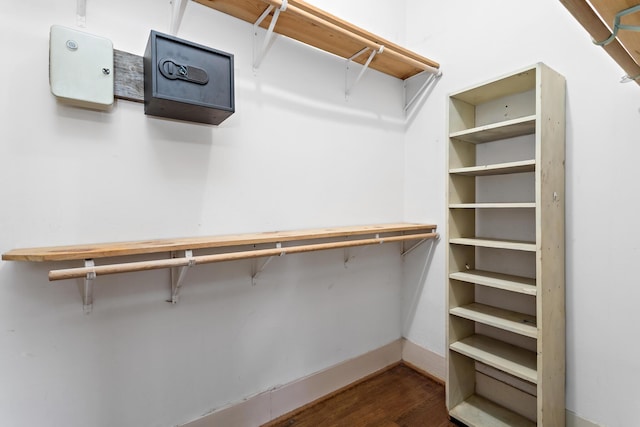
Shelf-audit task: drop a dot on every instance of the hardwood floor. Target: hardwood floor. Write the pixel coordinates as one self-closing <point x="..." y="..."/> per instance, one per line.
<point x="398" y="397"/>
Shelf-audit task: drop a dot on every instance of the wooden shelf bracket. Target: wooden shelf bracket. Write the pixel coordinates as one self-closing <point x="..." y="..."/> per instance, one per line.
<point x="259" y="51"/>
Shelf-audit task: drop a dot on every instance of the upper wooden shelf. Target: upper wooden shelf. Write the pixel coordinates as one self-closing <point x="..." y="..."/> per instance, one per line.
<point x="315" y="27"/>
<point x="597" y="17"/>
<point x="497" y="131"/>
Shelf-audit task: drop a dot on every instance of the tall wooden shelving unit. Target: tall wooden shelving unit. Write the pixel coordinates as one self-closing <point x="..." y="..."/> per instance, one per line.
<point x="506" y="326"/>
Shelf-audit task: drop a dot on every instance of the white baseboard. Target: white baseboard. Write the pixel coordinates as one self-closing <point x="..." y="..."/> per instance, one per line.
<point x="427" y="361"/>
<point x="272" y="404"/>
<point x="575" y="421"/>
<point x="268" y="406"/>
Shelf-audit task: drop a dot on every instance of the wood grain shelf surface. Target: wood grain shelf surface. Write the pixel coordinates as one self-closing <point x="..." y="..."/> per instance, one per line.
<point x="477" y="411"/>
<point x="104" y="250"/>
<point x="507" y="282"/>
<point x="508" y="358"/>
<point x="315" y="27"/>
<point x="496" y="169"/>
<point x="497" y="131"/>
<point x="494" y="243"/>
<point x="518" y="323"/>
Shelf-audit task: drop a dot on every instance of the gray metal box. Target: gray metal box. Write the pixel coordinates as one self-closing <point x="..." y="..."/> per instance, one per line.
<point x="187" y="81"/>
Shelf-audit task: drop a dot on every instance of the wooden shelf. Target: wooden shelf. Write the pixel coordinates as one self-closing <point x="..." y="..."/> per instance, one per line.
<point x="182" y="257"/>
<point x="477" y="411"/>
<point x="507" y="282"/>
<point x="508" y="358"/>
<point x="497" y="131"/>
<point x="315" y="27"/>
<point x="493" y="243"/>
<point x="502" y="205"/>
<point x="104" y="250"/>
<point x="518" y="323"/>
<point x="497" y="169"/>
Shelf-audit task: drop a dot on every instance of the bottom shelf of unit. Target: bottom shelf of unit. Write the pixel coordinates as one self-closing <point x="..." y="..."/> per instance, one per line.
<point x="477" y="411"/>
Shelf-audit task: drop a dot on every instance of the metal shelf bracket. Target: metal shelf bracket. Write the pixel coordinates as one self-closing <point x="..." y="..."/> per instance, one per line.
<point x="257" y="269"/>
<point x="348" y="88"/>
<point x="260" y="51"/>
<point x="178" y="274"/>
<point x="417" y="85"/>
<point x="177" y="13"/>
<point x="86" y="287"/>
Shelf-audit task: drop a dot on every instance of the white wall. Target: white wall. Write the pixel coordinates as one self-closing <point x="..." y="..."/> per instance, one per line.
<point x="296" y="154"/>
<point x="477" y="41"/>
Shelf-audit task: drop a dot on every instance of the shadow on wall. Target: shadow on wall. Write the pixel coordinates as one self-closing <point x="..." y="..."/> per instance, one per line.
<point x="414" y="283"/>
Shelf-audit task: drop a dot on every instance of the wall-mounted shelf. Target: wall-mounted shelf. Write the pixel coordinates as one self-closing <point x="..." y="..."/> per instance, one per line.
<point x="308" y="24"/>
<point x="232" y="247"/>
<point x="598" y="17"/>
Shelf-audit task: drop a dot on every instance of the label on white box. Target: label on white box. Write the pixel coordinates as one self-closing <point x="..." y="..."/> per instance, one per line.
<point x="81" y="68"/>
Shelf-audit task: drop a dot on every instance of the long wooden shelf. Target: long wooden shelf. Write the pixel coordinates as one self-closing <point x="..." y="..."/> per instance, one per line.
<point x="496" y="169"/>
<point x="494" y="243"/>
<point x="182" y="256"/>
<point x="104" y="250"/>
<point x="477" y="411"/>
<point x="497" y="131"/>
<point x="508" y="358"/>
<point x="315" y="27"/>
<point x="507" y="282"/>
<point x="518" y="323"/>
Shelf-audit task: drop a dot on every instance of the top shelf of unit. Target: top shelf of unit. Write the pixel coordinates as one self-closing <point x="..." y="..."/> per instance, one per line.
<point x="519" y="82"/>
<point x="496" y="131"/>
<point x="315" y="27"/>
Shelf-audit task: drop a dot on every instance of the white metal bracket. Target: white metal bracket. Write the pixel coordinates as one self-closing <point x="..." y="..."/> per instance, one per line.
<point x="417" y="85"/>
<point x="260" y="51"/>
<point x="86" y="287"/>
<point x="177" y="13"/>
<point x="348" y="88"/>
<point x="178" y="274"/>
<point x="415" y="245"/>
<point x="256" y="269"/>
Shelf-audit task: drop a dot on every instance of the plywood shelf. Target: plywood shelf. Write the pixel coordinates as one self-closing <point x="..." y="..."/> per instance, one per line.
<point x="181" y="256"/>
<point x="518" y="323"/>
<point x="315" y="27"/>
<point x="477" y="411"/>
<point x="516" y="245"/>
<point x="497" y="131"/>
<point x="505" y="282"/>
<point x="496" y="169"/>
<point x="502" y="205"/>
<point x="508" y="358"/>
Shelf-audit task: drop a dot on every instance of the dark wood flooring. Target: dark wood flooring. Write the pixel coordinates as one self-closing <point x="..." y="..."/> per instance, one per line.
<point x="398" y="397"/>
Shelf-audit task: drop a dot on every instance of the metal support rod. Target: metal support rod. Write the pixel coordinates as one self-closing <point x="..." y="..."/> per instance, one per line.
<point x="430" y="77"/>
<point x="258" y="55"/>
<point x="365" y="66"/>
<point x="177" y="13"/>
<point x="257" y="270"/>
<point x="86" y="287"/>
<point x="178" y="274"/>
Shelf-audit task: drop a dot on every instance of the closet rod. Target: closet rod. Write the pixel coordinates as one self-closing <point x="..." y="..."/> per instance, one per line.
<point x="585" y="15"/>
<point x="71" y="273"/>
<point x="345" y="32"/>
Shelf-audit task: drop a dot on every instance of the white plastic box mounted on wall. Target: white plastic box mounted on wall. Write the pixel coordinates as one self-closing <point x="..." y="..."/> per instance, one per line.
<point x="81" y="68"/>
